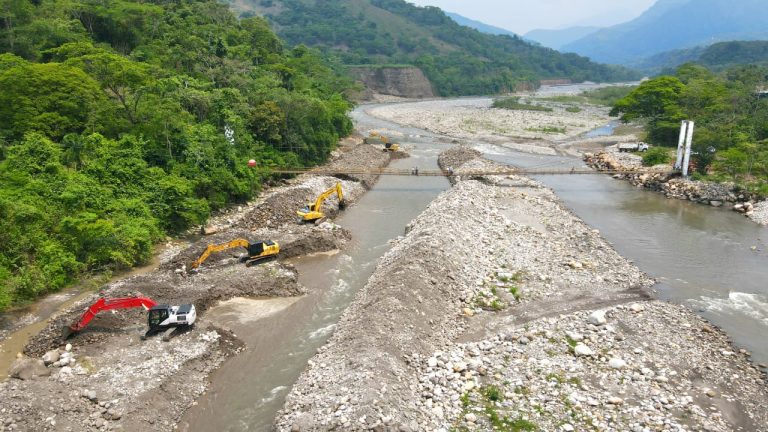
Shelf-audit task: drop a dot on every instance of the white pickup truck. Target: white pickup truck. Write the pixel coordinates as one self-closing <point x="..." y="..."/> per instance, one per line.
<point x="633" y="147"/>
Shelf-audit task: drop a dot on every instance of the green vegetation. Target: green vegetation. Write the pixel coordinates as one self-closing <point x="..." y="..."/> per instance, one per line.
<point x="547" y="129"/>
<point x="730" y="140"/>
<point x="607" y="96"/>
<point x="573" y="109"/>
<point x="513" y="103"/>
<point x="457" y="60"/>
<point x="124" y="121"/>
<point x="716" y="57"/>
<point x="656" y="156"/>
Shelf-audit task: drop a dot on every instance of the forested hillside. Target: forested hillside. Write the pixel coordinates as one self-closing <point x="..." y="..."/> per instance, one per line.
<point x="458" y="60"/>
<point x="717" y="56"/>
<point x="730" y="139"/>
<point x="123" y="121"/>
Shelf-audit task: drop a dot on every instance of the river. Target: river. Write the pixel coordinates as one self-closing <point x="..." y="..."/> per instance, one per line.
<point x="702" y="257"/>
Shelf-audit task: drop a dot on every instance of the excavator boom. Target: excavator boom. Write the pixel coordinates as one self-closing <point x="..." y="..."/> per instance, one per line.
<point x="218" y="248"/>
<point x="104" y="305"/>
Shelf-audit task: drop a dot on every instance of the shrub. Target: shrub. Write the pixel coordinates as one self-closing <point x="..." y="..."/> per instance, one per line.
<point x="656" y="156"/>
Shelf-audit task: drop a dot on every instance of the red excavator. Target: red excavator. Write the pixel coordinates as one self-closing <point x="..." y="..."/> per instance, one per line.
<point x="160" y="318"/>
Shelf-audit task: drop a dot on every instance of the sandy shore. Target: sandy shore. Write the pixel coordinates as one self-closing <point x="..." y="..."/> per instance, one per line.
<point x="513" y="314"/>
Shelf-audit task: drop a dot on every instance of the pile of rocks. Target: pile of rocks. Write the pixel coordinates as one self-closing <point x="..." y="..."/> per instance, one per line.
<point x="608" y="369"/>
<point x="760" y="213"/>
<point x="278" y="207"/>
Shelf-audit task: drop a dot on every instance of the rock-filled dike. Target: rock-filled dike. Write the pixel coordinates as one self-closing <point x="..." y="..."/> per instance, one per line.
<point x="107" y="378"/>
<point x="500" y="310"/>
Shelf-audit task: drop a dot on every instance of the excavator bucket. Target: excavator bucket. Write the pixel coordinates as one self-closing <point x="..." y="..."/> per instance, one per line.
<point x="66" y="332"/>
<point x="342" y="204"/>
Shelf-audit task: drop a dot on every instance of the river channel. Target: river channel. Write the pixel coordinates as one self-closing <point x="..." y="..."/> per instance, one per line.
<point x="713" y="260"/>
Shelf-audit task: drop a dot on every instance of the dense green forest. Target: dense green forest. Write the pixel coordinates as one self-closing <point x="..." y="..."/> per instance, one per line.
<point x="123" y="121"/>
<point x="457" y="60"/>
<point x="730" y="141"/>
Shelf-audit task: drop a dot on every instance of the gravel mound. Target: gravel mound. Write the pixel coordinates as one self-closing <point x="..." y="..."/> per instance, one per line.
<point x="279" y="206"/>
<point x="609" y="373"/>
<point x="365" y="157"/>
<point x="760" y="213"/>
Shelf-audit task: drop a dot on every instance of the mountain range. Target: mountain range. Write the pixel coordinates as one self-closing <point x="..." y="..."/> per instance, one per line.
<point x="556" y="39"/>
<point x="675" y="24"/>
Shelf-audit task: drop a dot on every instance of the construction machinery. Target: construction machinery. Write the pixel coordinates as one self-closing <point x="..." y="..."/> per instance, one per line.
<point x="257" y="252"/>
<point x="376" y="137"/>
<point x="312" y="212"/>
<point x="160" y="317"/>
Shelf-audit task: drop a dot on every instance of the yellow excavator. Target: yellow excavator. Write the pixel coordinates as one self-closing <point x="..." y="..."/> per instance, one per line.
<point x="312" y="212"/>
<point x="257" y="252"/>
<point x="388" y="146"/>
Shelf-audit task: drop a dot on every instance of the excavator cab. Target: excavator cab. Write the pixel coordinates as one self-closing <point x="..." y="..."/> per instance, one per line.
<point x="391" y="147"/>
<point x="261" y="251"/>
<point x="156" y="316"/>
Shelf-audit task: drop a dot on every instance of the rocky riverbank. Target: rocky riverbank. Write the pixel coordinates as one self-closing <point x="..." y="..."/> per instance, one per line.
<point x="512" y="313"/>
<point x="674" y="186"/>
<point x="107" y="378"/>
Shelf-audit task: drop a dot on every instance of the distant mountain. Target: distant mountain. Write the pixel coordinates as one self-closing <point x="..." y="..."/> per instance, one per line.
<point x="675" y="24"/>
<point x="479" y="26"/>
<point x="556" y="39"/>
<point x="717" y="56"/>
<point x="457" y="60"/>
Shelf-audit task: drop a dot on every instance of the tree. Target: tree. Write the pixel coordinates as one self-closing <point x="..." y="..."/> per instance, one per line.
<point x="51" y="98"/>
<point x="656" y="101"/>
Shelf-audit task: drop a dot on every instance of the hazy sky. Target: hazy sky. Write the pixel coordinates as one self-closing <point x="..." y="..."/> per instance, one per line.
<point x="521" y="16"/>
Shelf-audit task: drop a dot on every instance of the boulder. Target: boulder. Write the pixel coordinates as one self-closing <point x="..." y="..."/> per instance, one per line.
<point x="597" y="318"/>
<point x="51" y="356"/>
<point x="583" y="350"/>
<point x="25" y="368"/>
